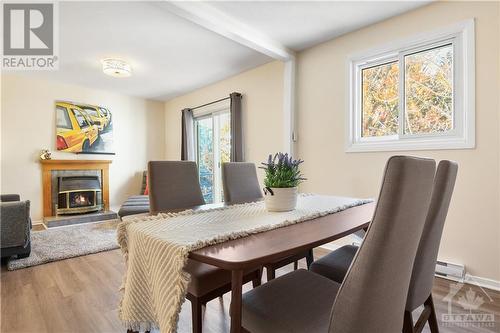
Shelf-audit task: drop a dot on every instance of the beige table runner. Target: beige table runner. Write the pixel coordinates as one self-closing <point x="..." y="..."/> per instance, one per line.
<point x="156" y="249"/>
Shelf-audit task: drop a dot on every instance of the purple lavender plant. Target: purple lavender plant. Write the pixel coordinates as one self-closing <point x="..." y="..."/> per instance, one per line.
<point x="282" y="171"/>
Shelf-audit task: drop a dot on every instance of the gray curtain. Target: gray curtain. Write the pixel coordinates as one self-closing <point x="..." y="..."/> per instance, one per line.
<point x="187" y="147"/>
<point x="236" y="128"/>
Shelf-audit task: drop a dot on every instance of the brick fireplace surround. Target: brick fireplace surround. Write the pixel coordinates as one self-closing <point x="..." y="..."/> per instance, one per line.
<point x="54" y="165"/>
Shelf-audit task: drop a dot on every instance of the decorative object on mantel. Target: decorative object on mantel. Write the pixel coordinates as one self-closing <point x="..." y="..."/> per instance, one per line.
<point x="83" y="128"/>
<point x="282" y="179"/>
<point x="45" y="154"/>
<point x="67" y="242"/>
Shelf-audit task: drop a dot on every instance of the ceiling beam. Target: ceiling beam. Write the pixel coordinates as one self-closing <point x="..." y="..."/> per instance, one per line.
<point x="211" y="18"/>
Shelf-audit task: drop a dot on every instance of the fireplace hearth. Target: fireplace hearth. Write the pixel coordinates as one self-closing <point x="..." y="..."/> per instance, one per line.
<point x="78" y="195"/>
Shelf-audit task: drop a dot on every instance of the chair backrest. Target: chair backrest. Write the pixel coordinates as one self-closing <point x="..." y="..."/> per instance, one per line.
<point x="424" y="267"/>
<point x="173" y="185"/>
<point x="240" y="182"/>
<point x="373" y="295"/>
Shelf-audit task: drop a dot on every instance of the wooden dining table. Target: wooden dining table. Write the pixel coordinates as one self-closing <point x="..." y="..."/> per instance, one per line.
<point x="259" y="249"/>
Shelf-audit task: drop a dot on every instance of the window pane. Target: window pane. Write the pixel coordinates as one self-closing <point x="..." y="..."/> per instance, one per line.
<point x="380" y="100"/>
<point x="62" y="118"/>
<point x="206" y="157"/>
<point x="91" y="111"/>
<point x="429" y="91"/>
<point x="80" y="118"/>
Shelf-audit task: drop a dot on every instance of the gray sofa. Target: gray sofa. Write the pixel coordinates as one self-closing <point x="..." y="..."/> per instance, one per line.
<point x="136" y="204"/>
<point x="15" y="226"/>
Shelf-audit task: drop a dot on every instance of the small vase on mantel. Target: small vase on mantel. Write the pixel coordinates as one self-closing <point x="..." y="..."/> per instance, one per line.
<point x="282" y="179"/>
<point x="280" y="199"/>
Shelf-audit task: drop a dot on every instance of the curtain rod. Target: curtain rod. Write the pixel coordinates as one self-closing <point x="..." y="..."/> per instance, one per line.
<point x="206" y="104"/>
<point x="217" y="101"/>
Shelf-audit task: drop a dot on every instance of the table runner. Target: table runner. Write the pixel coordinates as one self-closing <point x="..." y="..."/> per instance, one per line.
<point x="156" y="249"/>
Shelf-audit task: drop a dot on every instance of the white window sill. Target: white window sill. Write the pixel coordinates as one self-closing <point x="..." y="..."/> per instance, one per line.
<point x="403" y="145"/>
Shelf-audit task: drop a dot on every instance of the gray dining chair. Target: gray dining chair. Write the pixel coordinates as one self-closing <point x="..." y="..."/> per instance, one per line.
<point x="174" y="185"/>
<point x="241" y="185"/>
<point x="335" y="264"/>
<point x="372" y="296"/>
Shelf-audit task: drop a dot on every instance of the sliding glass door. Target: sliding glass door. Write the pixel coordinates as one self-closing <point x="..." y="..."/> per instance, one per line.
<point x="213" y="147"/>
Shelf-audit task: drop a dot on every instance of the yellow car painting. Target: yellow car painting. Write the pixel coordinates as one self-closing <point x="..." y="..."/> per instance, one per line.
<point x="97" y="115"/>
<point x="75" y="130"/>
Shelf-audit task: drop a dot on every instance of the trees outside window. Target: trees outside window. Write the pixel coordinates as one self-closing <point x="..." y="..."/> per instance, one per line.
<point x="416" y="94"/>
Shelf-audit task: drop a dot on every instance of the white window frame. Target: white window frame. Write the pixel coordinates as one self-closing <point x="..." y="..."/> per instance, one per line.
<point x="212" y="111"/>
<point x="462" y="136"/>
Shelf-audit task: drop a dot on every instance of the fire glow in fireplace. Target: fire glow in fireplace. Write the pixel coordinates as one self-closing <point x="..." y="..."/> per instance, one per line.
<point x="78" y="195"/>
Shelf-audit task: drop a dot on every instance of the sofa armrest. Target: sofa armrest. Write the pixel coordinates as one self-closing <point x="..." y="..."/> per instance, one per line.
<point x="9" y="197"/>
<point x="15" y="223"/>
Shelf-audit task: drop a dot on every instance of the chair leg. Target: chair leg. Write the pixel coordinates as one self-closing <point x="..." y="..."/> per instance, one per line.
<point x="258" y="279"/>
<point x="408" y="323"/>
<point x="433" y="323"/>
<point x="295" y="265"/>
<point x="271" y="273"/>
<point x="196" y="308"/>
<point x="310" y="258"/>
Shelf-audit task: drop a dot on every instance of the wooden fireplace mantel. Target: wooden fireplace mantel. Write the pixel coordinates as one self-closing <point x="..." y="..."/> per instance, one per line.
<point x="50" y="165"/>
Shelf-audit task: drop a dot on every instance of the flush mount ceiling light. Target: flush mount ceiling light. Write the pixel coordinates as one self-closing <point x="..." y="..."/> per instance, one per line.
<point x="116" y="67"/>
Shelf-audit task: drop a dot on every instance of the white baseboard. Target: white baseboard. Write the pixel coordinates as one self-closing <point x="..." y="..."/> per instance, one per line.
<point x="482" y="282"/>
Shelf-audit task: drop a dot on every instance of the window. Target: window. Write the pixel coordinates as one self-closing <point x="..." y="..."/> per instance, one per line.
<point x="62" y="118"/>
<point x="212" y="130"/>
<point x="91" y="111"/>
<point x="80" y="119"/>
<point x="414" y="95"/>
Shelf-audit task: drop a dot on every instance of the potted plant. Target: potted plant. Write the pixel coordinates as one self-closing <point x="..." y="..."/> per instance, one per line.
<point x="282" y="178"/>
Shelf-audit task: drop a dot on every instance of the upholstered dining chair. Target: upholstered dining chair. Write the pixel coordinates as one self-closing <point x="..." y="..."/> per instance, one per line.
<point x="174" y="185"/>
<point x="372" y="296"/>
<point x="335" y="264"/>
<point x="241" y="185"/>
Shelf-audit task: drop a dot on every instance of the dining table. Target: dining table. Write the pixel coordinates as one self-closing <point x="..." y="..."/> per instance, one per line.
<point x="256" y="250"/>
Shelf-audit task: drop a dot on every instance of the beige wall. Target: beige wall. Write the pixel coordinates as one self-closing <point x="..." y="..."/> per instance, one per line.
<point x="471" y="235"/>
<point x="262" y="105"/>
<point x="28" y="125"/>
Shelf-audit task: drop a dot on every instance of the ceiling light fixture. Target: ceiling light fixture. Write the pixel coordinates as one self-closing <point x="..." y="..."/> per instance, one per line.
<point x="116" y="67"/>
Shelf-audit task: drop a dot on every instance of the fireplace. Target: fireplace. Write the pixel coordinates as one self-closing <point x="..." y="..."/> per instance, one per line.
<point x="78" y="195"/>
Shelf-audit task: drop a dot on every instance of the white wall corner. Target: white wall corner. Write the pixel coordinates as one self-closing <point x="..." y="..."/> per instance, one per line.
<point x="289" y="119"/>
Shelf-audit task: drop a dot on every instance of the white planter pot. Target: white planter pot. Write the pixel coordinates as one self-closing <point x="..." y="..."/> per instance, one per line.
<point x="281" y="199"/>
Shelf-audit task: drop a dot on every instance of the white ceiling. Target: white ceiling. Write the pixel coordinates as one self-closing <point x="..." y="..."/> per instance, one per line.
<point x="171" y="56"/>
<point x="302" y="24"/>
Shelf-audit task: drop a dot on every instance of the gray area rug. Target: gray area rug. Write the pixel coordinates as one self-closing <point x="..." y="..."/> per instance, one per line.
<point x="67" y="242"/>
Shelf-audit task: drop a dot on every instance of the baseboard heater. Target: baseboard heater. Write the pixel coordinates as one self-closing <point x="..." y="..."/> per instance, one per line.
<point x="450" y="271"/>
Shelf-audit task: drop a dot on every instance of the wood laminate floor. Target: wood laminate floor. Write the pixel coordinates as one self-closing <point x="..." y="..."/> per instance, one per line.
<point x="81" y="295"/>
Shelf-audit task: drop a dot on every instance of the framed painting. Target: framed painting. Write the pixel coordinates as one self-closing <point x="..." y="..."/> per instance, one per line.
<point x="83" y="128"/>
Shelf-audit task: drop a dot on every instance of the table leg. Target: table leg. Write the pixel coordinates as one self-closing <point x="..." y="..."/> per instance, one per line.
<point x="235" y="308"/>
